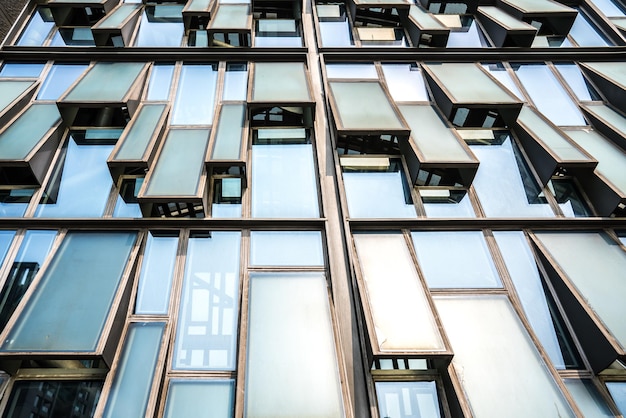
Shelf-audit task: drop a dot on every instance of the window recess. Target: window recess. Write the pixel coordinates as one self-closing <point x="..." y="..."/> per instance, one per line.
<point x="231" y="26"/>
<point x="75" y="309"/>
<point x="117" y="27"/>
<point x="586" y="271"/>
<point x="78" y="13"/>
<point x="379" y="22"/>
<point x="504" y="29"/>
<point x="548" y="149"/>
<point x="435" y="147"/>
<point x="470" y="97"/>
<point x="197" y="13"/>
<point x="27" y="145"/>
<point x="135" y="151"/>
<point x="424" y="29"/>
<point x="277" y="23"/>
<point x="548" y="16"/>
<point x="175" y="185"/>
<point x="15" y="94"/>
<point x="610" y="78"/>
<point x="606" y="187"/>
<point x="107" y="95"/>
<point x="458" y="7"/>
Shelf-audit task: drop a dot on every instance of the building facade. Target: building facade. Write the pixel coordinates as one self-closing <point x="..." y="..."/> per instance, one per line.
<point x="273" y="208"/>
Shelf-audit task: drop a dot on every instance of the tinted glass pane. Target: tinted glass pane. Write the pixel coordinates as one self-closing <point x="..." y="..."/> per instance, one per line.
<point x="618" y="392"/>
<point x="59" y="79"/>
<point x="195" y="96"/>
<point x="588" y="398"/>
<point x="286" y="248"/>
<point x="407" y="399"/>
<point x="200" y="397"/>
<point x="160" y="82"/>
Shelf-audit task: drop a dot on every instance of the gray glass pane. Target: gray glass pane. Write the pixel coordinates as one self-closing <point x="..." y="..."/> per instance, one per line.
<point x="290" y="329"/>
<point x="377" y="195"/>
<point x="499" y="185"/>
<point x="229" y="132"/>
<point x="206" y="335"/>
<point x="200" y="397"/>
<point x="28" y="131"/>
<point x="59" y="79"/>
<point x="618" y="392"/>
<point x="154" y="31"/>
<point x="407" y="399"/>
<point x="283" y="182"/>
<point x="584" y="257"/>
<point x="363" y="106"/>
<point x="106" y="81"/>
<point x="181" y="163"/>
<point x="405" y="82"/>
<point x="457" y="259"/>
<point x="136" y="141"/>
<point x="160" y="82"/>
<point x="280" y="82"/>
<point x="588" y="398"/>
<point x="18" y="69"/>
<point x="11" y="90"/>
<point x="81" y="185"/>
<point x="235" y="82"/>
<point x="548" y="95"/>
<point x="157" y="271"/>
<point x="611" y="158"/>
<point x="195" y="97"/>
<point x="286" y="248"/>
<point x="38" y="29"/>
<point x="133" y="378"/>
<point x="71" y="303"/>
<point x="497" y="361"/>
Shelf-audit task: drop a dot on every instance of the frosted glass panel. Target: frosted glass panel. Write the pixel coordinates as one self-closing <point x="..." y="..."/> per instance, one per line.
<point x="11" y="90"/>
<point x="595" y="265"/>
<point x="286" y="248"/>
<point x="235" y="82"/>
<point x="25" y="133"/>
<point x="291" y="369"/>
<point x="377" y="195"/>
<point x="71" y="303"/>
<point x="280" y="82"/>
<point x="500" y="369"/>
<point x="157" y="269"/>
<point x="405" y="82"/>
<point x="136" y="141"/>
<point x="131" y="385"/>
<point x="230" y="131"/>
<point x="160" y="82"/>
<point x="106" y="81"/>
<point x="407" y="399"/>
<point x="403" y="320"/>
<point x="200" y="398"/>
<point x="574" y="78"/>
<point x="207" y="320"/>
<point x="195" y="97"/>
<point x="588" y="398"/>
<point x="458" y="259"/>
<point x="283" y="181"/>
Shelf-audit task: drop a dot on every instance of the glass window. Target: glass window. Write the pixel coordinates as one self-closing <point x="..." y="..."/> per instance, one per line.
<point x="73" y="36"/>
<point x="496" y="360"/>
<point x="21" y="70"/>
<point x="335" y="34"/>
<point x="235" y="82"/>
<point x="585" y="34"/>
<point x="132" y="383"/>
<point x="446" y="203"/>
<point x="457" y="259"/>
<point x="59" y="79"/>
<point x="106" y="82"/>
<point x="283" y="177"/>
<point x="407" y="399"/>
<point x="400" y="309"/>
<point x="504" y="185"/>
<point x="200" y="397"/>
<point x="194" y="105"/>
<point x="405" y="82"/>
<point x="588" y="398"/>
<point x="380" y="192"/>
<point x="290" y="348"/>
<point x="579" y="85"/>
<point x="157" y="271"/>
<point x="499" y="72"/>
<point x="206" y="335"/>
<point x="467" y="35"/>
<point x="161" y="25"/>
<point x="280" y="82"/>
<point x="31" y="256"/>
<point x="286" y="248"/>
<point x="618" y="392"/>
<point x="352" y="71"/>
<point x="227" y="194"/>
<point x="25" y="135"/>
<point x="70" y="305"/>
<point x="80" y="183"/>
<point x="53" y="398"/>
<point x="160" y="82"/>
<point x="38" y="29"/>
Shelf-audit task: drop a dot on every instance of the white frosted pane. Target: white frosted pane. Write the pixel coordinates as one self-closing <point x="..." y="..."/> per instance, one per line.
<point x="153" y="294"/>
<point x="500" y="369"/>
<point x="402" y="317"/>
<point x="362" y="71"/>
<point x="456" y="259"/>
<point x="291" y="369"/>
<point x="286" y="248"/>
<point x="200" y="398"/>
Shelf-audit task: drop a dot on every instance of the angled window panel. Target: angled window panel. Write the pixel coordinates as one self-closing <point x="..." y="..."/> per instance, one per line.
<point x="14" y="95"/>
<point x="608" y="121"/>
<point x="230" y="25"/>
<point x="195" y="397"/>
<point x="547" y="147"/>
<point x="468" y="89"/>
<point x="136" y="148"/>
<point x="610" y="78"/>
<point x="197" y="13"/>
<point x="178" y="174"/>
<point x="399" y="312"/>
<point x="280" y="83"/>
<point x="434" y="145"/>
<point x="74" y="307"/>
<point x="117" y="27"/>
<point x="27" y="146"/>
<point x="497" y="361"/>
<point x="229" y="142"/>
<point x="606" y="187"/>
<point x="424" y="29"/>
<point x="504" y="29"/>
<point x="104" y="94"/>
<point x="555" y="18"/>
<point x="363" y="107"/>
<point x="587" y="272"/>
<point x="64" y="11"/>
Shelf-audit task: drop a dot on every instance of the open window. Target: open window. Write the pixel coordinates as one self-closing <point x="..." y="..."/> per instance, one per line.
<point x="231" y="25"/>
<point x="610" y="78"/>
<point x="552" y="19"/>
<point x="117" y="27"/>
<point x="504" y="29"/>
<point x="278" y="23"/>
